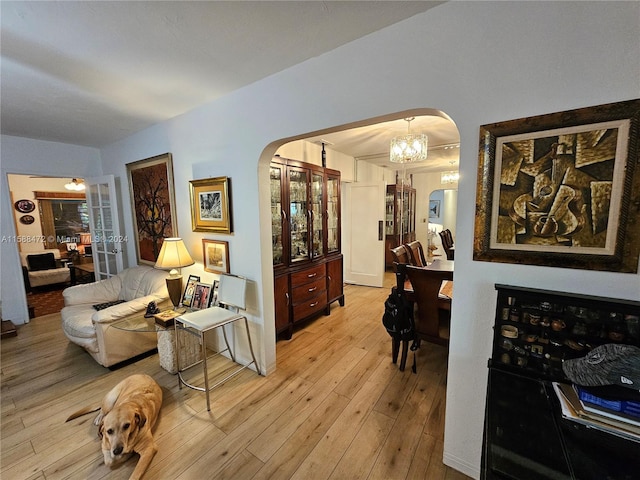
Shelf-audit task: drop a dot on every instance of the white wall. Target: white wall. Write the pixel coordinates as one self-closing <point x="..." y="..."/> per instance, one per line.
<point x="33" y="157"/>
<point x="305" y="151"/>
<point x="479" y="62"/>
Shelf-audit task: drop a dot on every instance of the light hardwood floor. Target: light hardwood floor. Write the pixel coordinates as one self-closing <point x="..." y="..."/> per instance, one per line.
<point x="336" y="408"/>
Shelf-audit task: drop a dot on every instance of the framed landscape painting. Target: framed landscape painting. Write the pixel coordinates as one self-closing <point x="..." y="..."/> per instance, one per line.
<point x="561" y="189"/>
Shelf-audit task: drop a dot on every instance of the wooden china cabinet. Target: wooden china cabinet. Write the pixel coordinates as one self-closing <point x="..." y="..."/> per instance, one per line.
<point x="400" y="218"/>
<point x="305" y="225"/>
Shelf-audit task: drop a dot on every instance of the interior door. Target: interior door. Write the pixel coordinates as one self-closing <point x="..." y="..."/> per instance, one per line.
<point x="363" y="233"/>
<point x="106" y="239"/>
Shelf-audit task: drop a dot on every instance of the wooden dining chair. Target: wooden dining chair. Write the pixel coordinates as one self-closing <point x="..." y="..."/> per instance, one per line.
<point x="416" y="253"/>
<point x="400" y="254"/>
<point x="432" y="313"/>
<point x="447" y="243"/>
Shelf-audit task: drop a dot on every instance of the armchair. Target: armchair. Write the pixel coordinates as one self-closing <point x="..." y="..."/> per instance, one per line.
<point x="93" y="329"/>
<point x="43" y="267"/>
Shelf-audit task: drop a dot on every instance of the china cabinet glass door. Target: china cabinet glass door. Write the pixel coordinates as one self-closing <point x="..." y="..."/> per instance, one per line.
<point x="405" y="213"/>
<point x="333" y="207"/>
<point x="389" y="220"/>
<point x="277" y="213"/>
<point x="317" y="214"/>
<point x="298" y="214"/>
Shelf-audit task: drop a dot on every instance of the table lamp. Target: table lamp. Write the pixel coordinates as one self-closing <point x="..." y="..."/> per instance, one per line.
<point x="174" y="255"/>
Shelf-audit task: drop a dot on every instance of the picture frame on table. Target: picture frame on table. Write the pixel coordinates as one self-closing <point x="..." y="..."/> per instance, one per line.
<point x="189" y="290"/>
<point x="215" y="254"/>
<point x="213" y="299"/>
<point x="559" y="189"/>
<point x="211" y="205"/>
<point x="153" y="205"/>
<point x="201" y="296"/>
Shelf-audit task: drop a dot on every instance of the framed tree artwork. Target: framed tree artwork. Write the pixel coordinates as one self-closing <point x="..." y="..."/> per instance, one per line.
<point x="152" y="204"/>
<point x="561" y="189"/>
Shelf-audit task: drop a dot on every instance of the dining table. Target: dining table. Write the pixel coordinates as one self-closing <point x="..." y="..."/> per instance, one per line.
<point x="437" y="265"/>
<point x="440" y="265"/>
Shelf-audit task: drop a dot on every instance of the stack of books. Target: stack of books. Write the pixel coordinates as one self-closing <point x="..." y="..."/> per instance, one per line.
<point x="620" y="417"/>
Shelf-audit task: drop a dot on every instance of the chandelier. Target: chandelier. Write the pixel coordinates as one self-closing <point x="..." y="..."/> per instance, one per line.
<point x="408" y="148"/>
<point x="449" y="177"/>
<point x="75" y="185"/>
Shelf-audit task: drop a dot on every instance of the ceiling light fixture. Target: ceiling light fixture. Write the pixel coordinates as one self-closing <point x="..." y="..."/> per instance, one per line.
<point x="408" y="148"/>
<point x="449" y="177"/>
<point x="75" y="185"/>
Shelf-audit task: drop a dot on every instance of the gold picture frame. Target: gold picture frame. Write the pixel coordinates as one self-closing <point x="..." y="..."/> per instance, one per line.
<point x="210" y="205"/>
<point x="215" y="255"/>
<point x="152" y="205"/>
<point x="560" y="189"/>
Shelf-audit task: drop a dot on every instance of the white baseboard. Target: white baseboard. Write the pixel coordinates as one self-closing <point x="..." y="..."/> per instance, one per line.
<point x="472" y="471"/>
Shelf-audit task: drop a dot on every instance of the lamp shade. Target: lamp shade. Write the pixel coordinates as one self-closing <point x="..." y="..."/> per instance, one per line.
<point x="173" y="254"/>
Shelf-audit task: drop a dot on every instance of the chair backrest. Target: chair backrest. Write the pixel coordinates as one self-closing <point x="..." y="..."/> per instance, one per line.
<point x="24" y="255"/>
<point x="429" y="316"/>
<point x="400" y="254"/>
<point x="232" y="291"/>
<point x="416" y="254"/>
<point x="447" y="242"/>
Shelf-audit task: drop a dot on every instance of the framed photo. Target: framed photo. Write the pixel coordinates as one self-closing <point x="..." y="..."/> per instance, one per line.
<point x="201" y="296"/>
<point x="560" y="189"/>
<point x="434" y="208"/>
<point x="213" y="299"/>
<point x="216" y="256"/>
<point x="189" y="290"/>
<point x="152" y="205"/>
<point x="210" y="205"/>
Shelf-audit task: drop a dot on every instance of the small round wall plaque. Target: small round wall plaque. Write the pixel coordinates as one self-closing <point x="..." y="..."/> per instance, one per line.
<point x="27" y="219"/>
<point x="25" y="206"/>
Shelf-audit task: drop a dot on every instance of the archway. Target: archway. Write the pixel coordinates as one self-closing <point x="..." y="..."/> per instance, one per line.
<point x="264" y="194"/>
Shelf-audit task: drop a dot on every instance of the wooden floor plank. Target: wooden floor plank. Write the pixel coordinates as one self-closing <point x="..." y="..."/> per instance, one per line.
<point x="336" y="407"/>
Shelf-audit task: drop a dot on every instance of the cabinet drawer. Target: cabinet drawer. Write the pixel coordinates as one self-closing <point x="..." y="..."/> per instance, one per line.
<point x="310" y="306"/>
<point x="308" y="275"/>
<point x="304" y="292"/>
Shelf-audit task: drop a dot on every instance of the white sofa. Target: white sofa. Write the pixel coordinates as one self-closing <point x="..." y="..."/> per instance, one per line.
<point x="93" y="329"/>
<point x="38" y="271"/>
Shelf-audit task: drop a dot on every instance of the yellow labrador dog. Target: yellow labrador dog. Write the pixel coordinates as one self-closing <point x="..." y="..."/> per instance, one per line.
<point x="127" y="415"/>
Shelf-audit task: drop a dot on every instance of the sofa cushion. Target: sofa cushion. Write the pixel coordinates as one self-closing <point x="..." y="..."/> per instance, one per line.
<point x="49" y="277"/>
<point x="141" y="281"/>
<point x="76" y="322"/>
<point x="41" y="261"/>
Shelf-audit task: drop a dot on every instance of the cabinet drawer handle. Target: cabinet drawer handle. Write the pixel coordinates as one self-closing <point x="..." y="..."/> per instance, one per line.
<point x="311" y="275"/>
<point x="313" y="289"/>
<point x="314" y="304"/>
<point x="287" y="295"/>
